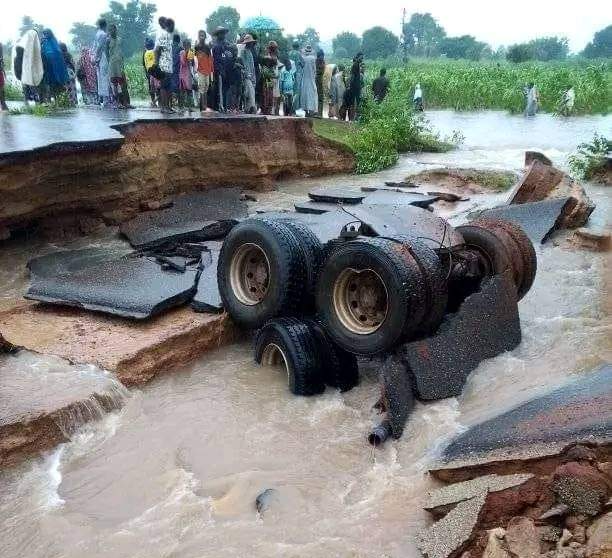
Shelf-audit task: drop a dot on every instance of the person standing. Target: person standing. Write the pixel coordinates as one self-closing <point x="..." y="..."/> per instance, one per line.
<point x="55" y="72"/>
<point x="320" y="67"/>
<point x="28" y="66"/>
<point x="204" y="69"/>
<point x="251" y="73"/>
<point x="148" y="61"/>
<point x="417" y="98"/>
<point x="532" y="100"/>
<point x="380" y="86"/>
<point x="186" y="76"/>
<point x="308" y="91"/>
<point x="222" y="62"/>
<point x="337" y="88"/>
<point x="3" y="106"/>
<point x="233" y="81"/>
<point x="567" y="101"/>
<point x="163" y="61"/>
<point x="296" y="57"/>
<point x="116" y="68"/>
<point x="175" y="80"/>
<point x="287" y="81"/>
<point x="352" y="95"/>
<point x="100" y="60"/>
<point x="276" y="94"/>
<point x="86" y="74"/>
<point x="71" y="90"/>
<point x="268" y="75"/>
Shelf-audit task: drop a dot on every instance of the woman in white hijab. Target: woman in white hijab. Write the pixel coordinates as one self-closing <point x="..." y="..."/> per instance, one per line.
<point x="28" y="64"/>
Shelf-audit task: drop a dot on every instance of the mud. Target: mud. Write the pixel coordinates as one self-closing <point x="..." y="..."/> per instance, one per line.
<point x="466" y="181"/>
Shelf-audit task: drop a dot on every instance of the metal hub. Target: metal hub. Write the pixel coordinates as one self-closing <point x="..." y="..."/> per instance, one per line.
<point x="250" y="274"/>
<point x="274" y="357"/>
<point x="360" y="300"/>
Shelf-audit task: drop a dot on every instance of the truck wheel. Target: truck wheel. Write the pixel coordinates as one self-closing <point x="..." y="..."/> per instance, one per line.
<point x="260" y="272"/>
<point x="339" y="367"/>
<point x="524" y="251"/>
<point x="370" y="295"/>
<point x="312" y="250"/>
<point x="289" y="344"/>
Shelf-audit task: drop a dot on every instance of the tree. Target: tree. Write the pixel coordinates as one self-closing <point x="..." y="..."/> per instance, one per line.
<point x="28" y="23"/>
<point x="549" y="48"/>
<point x="310" y="36"/>
<point x="601" y="45"/>
<point x="224" y="16"/>
<point x="83" y="35"/>
<point x="465" y="46"/>
<point x="519" y="53"/>
<point x="133" y="21"/>
<point x="379" y="42"/>
<point x="423" y="35"/>
<point x="346" y="45"/>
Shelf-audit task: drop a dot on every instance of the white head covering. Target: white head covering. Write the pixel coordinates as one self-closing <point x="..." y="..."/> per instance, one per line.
<point x="32" y="70"/>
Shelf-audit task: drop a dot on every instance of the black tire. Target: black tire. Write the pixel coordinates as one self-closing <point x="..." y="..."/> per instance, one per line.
<point x="297" y="346"/>
<point x="525" y="249"/>
<point x="285" y="287"/>
<point x="392" y="268"/>
<point x="339" y="367"/>
<point x="435" y="278"/>
<point x="313" y="254"/>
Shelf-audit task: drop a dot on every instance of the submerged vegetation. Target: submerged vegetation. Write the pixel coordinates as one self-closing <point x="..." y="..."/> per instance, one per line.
<point x="590" y="158"/>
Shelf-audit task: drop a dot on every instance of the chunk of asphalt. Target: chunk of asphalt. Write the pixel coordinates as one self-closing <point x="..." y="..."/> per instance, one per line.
<point x="69" y="261"/>
<point x="265" y="500"/>
<point x="448" y="196"/>
<point x="538" y="219"/>
<point x="193" y="217"/>
<point x="486" y="325"/>
<point x="132" y="287"/>
<point x="398" y="199"/>
<point x="316" y="208"/>
<point x="207" y="297"/>
<point x="336" y="195"/>
<point x="450" y="535"/>
<point x="461" y="491"/>
<point x="173" y="262"/>
<point x="580" y="411"/>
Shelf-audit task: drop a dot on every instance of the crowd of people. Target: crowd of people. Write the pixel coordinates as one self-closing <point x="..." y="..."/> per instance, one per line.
<point x="208" y="75"/>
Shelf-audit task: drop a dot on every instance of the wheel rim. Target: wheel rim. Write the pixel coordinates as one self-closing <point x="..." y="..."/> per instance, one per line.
<point x="274" y="357"/>
<point x="360" y="300"/>
<point x="250" y="274"/>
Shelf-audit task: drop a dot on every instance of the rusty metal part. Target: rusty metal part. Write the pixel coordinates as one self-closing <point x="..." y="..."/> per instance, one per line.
<point x="526" y="250"/>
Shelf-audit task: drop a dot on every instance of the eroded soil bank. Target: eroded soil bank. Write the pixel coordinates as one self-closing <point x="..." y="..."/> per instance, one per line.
<point x="111" y="178"/>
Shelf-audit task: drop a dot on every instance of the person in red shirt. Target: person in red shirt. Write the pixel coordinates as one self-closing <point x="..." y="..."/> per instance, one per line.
<point x="203" y="63"/>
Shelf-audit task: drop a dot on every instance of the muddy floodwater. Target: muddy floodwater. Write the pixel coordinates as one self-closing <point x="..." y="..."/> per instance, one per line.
<point x="176" y="471"/>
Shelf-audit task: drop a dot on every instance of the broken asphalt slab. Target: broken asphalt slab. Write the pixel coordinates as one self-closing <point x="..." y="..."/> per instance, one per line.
<point x="398" y="199"/>
<point x="132" y="287"/>
<point x="578" y="412"/>
<point x="486" y="325"/>
<point x="193" y="217"/>
<point x="538" y="219"/>
<point x="207" y="297"/>
<point x="336" y="195"/>
<point x="69" y="261"/>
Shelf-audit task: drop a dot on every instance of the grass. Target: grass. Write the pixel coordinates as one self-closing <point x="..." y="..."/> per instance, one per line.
<point x="493" y="180"/>
<point x="590" y="158"/>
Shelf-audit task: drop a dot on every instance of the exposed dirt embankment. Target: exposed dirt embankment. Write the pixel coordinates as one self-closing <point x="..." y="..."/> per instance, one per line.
<point x="157" y="158"/>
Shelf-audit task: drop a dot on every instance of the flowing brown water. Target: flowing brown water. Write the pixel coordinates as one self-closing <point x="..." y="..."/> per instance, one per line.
<point x="175" y="473"/>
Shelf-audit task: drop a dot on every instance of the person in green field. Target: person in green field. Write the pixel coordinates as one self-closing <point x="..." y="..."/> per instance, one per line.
<point x="532" y="99"/>
<point x="380" y="86"/>
<point x="568" y="99"/>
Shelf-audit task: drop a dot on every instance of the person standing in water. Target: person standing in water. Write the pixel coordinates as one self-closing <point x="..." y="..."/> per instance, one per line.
<point x="100" y="53"/>
<point x="417" y="98"/>
<point x="532" y="100"/>
<point x="567" y="101"/>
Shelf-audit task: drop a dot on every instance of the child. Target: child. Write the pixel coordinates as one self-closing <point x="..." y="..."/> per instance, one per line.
<point x="148" y="61"/>
<point x="287" y="82"/>
<point x="3" y="106"/>
<point x="203" y="63"/>
<point x="175" y="80"/>
<point x="268" y="75"/>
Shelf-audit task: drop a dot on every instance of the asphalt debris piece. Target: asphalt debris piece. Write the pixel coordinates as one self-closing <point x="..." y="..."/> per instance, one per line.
<point x="397" y="396"/>
<point x="336" y="195"/>
<point x="448" y="196"/>
<point x="315" y="207"/>
<point x="69" y="261"/>
<point x="440" y="364"/>
<point x="194" y="217"/>
<point x="385" y="197"/>
<point x="207" y="297"/>
<point x="133" y="286"/>
<point x="538" y="219"/>
<point x="173" y="262"/>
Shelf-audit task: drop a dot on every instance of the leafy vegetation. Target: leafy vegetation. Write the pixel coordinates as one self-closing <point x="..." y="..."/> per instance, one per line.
<point x="590" y="158"/>
<point x="465" y="85"/>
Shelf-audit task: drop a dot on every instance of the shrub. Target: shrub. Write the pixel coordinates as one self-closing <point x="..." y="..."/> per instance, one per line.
<point x="590" y="158"/>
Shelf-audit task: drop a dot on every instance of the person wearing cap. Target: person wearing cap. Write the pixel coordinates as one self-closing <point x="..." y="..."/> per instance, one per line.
<point x="308" y="92"/>
<point x="251" y="73"/>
